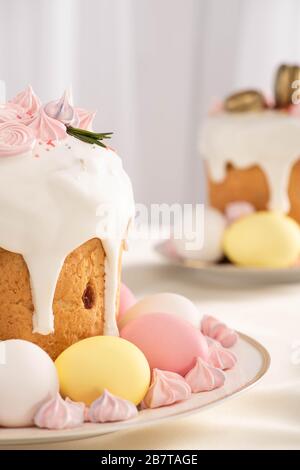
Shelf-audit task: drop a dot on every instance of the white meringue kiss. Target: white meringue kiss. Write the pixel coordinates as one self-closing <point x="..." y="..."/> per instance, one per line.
<point x="60" y="414"/>
<point x="166" y="388"/>
<point x="204" y="377"/>
<point x="109" y="408"/>
<point x="63" y="111"/>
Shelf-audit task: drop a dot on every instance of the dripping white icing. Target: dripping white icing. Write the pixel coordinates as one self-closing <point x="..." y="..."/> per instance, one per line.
<point x="270" y="139"/>
<point x="53" y="199"/>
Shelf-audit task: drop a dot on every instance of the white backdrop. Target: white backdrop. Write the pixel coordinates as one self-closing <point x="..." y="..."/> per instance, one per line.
<point x="151" y="67"/>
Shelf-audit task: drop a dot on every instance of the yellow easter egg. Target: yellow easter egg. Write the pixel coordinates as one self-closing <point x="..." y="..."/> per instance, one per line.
<point x="88" y="367"/>
<point x="263" y="239"/>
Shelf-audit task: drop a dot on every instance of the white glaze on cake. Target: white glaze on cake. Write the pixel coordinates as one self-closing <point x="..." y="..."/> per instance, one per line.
<point x="51" y="201"/>
<point x="53" y="198"/>
<point x="269" y="139"/>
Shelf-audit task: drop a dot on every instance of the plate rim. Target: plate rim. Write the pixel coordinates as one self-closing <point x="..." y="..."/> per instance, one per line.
<point x="93" y="433"/>
<point x="195" y="264"/>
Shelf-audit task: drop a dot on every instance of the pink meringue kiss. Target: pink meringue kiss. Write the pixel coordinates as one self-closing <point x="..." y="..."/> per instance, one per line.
<point x="109" y="408"/>
<point x="236" y="210"/>
<point x="85" y="118"/>
<point x="166" y="388"/>
<point x="46" y="128"/>
<point x="15" y="139"/>
<point x="63" y="111"/>
<point x="79" y="410"/>
<point x="220" y="357"/>
<point x="213" y="328"/>
<point x="204" y="378"/>
<point x="10" y="112"/>
<point x="60" y="414"/>
<point x="28" y="100"/>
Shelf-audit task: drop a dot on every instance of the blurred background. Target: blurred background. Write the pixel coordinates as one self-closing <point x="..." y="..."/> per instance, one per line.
<point x="152" y="68"/>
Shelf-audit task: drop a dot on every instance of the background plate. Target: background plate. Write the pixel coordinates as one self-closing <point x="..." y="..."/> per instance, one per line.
<point x="228" y="272"/>
<point x="253" y="363"/>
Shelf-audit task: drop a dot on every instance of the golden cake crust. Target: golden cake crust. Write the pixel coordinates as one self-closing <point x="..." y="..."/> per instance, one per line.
<point x="251" y="185"/>
<point x="78" y="302"/>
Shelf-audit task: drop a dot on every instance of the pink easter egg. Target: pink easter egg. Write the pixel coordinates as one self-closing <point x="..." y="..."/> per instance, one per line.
<point x="164" y="302"/>
<point x="168" y="342"/>
<point x="127" y="299"/>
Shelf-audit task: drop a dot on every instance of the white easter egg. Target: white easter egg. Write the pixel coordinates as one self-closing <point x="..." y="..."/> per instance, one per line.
<point x="28" y="378"/>
<point x="212" y="227"/>
<point x="164" y="303"/>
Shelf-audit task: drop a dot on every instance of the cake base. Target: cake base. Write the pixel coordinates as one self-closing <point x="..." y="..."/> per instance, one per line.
<point x="78" y="302"/>
<point x="251" y="185"/>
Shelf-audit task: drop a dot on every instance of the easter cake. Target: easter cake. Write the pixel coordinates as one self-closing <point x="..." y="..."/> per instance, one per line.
<point x="76" y="346"/>
<point x="66" y="204"/>
<point x="251" y="148"/>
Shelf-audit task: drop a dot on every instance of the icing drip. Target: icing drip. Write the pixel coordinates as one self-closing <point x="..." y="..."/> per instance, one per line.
<point x="166" y="388"/>
<point x="46" y="128"/>
<point x="38" y="197"/>
<point x="37" y="217"/>
<point x="269" y="139"/>
<point x="204" y="378"/>
<point x="109" y="408"/>
<point x="28" y="100"/>
<point x="60" y="414"/>
<point x="62" y="110"/>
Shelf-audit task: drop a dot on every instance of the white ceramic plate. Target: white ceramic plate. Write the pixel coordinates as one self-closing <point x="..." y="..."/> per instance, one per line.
<point x="226" y="271"/>
<point x="253" y="363"/>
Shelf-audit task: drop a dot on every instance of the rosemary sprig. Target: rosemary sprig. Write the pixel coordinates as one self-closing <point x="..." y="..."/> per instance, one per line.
<point x="94" y="138"/>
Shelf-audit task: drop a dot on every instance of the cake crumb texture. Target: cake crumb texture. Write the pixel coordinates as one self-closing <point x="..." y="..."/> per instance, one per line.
<point x="78" y="302"/>
<point x="251" y="185"/>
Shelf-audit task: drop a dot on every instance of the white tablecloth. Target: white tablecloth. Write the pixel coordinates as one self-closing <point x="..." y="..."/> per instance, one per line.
<point x="265" y="417"/>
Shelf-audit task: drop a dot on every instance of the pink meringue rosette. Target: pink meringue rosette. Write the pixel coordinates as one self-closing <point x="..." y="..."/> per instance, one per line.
<point x="204" y="377"/>
<point x="213" y="328"/>
<point x="110" y="408"/>
<point x="15" y="139"/>
<point x="220" y="357"/>
<point x="166" y="389"/>
<point x="60" y="414"/>
<point x="46" y="128"/>
<point x="27" y="100"/>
